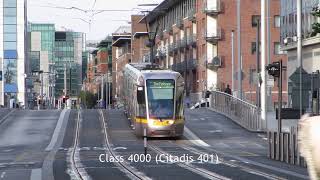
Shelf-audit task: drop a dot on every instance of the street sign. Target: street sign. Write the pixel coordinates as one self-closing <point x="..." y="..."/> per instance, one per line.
<point x="270" y="82"/>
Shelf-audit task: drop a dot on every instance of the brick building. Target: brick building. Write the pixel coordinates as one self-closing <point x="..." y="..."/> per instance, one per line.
<point x="139" y="37"/>
<point x="194" y="38"/>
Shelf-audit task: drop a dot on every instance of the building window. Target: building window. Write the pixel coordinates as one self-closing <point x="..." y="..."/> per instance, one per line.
<point x="277" y="21"/>
<point x="254" y="47"/>
<point x="9" y="3"/>
<point x="10" y="11"/>
<point x="254" y="20"/>
<point x="277" y="50"/>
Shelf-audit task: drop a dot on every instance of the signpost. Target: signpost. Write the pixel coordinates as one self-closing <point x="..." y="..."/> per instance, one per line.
<point x="276" y="69"/>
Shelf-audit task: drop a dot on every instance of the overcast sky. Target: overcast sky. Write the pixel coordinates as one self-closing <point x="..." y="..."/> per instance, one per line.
<point x="43" y="11"/>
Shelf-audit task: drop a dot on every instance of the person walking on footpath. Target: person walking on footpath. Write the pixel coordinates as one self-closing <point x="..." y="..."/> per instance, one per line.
<point x="228" y="90"/>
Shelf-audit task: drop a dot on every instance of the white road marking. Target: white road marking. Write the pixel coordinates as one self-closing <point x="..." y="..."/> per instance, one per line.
<point x="36" y="174"/>
<point x="119" y="148"/>
<point x="194" y="138"/>
<point x="215" y="131"/>
<point x="202" y="119"/>
<point x="56" y="131"/>
<point x="2" y="175"/>
<point x="6" y="116"/>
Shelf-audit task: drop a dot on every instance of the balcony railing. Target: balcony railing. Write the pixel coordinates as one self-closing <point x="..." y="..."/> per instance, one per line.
<point x="169" y="29"/>
<point x="175" y="47"/>
<point x="213" y="36"/>
<point x="179" y="23"/>
<point x="162" y="52"/>
<point x="192" y="40"/>
<point x="192" y="15"/>
<point x="171" y="48"/>
<point x="183" y="43"/>
<point x="212" y="7"/>
<point x="192" y="64"/>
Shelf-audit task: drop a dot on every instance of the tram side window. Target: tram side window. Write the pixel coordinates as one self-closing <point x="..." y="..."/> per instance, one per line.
<point x="141" y="102"/>
<point x="179" y="102"/>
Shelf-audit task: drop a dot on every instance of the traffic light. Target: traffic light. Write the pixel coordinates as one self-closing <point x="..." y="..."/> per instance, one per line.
<point x="274" y="69"/>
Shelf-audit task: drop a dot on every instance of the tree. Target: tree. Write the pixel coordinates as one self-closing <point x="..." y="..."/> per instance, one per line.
<point x="316" y="26"/>
<point x="88" y="99"/>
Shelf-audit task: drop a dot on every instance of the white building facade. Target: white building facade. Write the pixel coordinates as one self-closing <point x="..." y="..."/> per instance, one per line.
<point x="13" y="18"/>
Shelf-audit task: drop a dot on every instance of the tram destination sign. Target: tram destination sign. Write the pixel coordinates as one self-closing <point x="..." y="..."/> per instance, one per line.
<point x="161" y="84"/>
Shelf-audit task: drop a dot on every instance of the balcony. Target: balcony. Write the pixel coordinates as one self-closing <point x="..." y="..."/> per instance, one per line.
<point x="192" y="40"/>
<point x="192" y="15"/>
<point x="169" y="30"/>
<point x="162" y="52"/>
<point x="179" y="23"/>
<point x="175" y="47"/>
<point x="183" y="43"/>
<point x="215" y="62"/>
<point x="212" y="7"/>
<point x="171" y="49"/>
<point x="213" y="36"/>
<point x="179" y="67"/>
<point x="192" y="64"/>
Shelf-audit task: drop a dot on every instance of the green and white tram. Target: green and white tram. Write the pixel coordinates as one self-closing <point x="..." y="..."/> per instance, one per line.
<point x="153" y="99"/>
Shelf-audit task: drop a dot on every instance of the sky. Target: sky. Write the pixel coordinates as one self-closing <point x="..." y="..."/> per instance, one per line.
<point x="102" y="24"/>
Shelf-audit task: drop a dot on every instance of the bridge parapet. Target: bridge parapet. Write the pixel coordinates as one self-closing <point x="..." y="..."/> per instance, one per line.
<point x="239" y="111"/>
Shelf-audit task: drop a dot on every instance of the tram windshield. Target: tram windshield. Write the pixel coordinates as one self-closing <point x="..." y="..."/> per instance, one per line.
<point x="160" y="98"/>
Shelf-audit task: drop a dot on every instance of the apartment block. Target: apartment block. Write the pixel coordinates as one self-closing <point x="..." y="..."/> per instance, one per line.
<point x="194" y="37"/>
<point x="121" y="55"/>
<point x="139" y="38"/>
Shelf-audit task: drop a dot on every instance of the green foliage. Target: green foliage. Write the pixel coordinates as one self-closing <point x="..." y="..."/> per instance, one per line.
<point x="88" y="99"/>
<point x="316" y="25"/>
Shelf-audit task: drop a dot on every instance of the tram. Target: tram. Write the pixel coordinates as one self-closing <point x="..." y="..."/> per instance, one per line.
<point x="153" y="100"/>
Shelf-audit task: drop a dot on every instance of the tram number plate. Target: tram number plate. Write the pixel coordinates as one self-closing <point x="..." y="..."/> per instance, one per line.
<point x="161" y="123"/>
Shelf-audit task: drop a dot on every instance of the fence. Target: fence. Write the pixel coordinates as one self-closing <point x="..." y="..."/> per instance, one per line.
<point x="241" y="112"/>
<point x="284" y="147"/>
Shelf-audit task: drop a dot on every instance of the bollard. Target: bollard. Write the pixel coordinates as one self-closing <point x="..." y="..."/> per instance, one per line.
<point x="145" y="141"/>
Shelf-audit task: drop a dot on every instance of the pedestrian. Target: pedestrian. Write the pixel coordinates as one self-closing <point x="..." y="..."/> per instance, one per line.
<point x="188" y="101"/>
<point x="228" y="90"/>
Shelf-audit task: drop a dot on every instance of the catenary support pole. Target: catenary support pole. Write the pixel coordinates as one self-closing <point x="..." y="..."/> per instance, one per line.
<point x="299" y="51"/>
<point x="263" y="63"/>
<point x="232" y="55"/>
<point x="239" y="48"/>
<point x="258" y="63"/>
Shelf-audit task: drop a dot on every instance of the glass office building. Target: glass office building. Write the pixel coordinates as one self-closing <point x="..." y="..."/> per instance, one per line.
<point x="40" y="50"/>
<point x="68" y="53"/>
<point x="12" y="51"/>
<point x="54" y="51"/>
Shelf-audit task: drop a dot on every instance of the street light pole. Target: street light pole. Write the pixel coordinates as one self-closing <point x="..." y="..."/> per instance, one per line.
<point x="65" y="79"/>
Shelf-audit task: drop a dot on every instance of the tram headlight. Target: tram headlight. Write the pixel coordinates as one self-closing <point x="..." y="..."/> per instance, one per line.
<point x="151" y="122"/>
<point x="171" y="122"/>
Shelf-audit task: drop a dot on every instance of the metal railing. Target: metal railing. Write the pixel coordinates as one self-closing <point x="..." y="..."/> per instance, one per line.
<point x="239" y="111"/>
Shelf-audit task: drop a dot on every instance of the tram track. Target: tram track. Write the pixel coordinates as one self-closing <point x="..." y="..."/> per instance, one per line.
<point x="197" y="170"/>
<point x="244" y="168"/>
<point x="74" y="167"/>
<point x="130" y="171"/>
